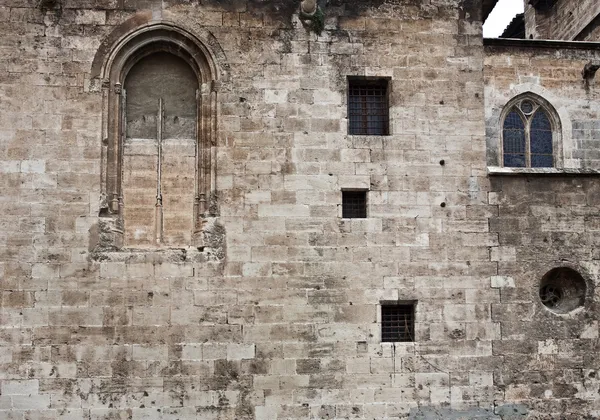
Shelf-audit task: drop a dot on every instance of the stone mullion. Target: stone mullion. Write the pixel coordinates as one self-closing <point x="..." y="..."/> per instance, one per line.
<point x="114" y="149"/>
<point x="104" y="183"/>
<point x="197" y="161"/>
<point x="204" y="142"/>
<point x="211" y="164"/>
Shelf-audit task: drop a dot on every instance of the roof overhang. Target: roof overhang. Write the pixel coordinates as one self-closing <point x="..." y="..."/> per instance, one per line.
<point x="487" y="6"/>
<point x="542" y="44"/>
<point x="542" y="4"/>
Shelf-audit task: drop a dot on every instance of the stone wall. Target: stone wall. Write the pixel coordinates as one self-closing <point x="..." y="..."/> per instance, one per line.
<point x="572" y="18"/>
<point x="545" y="221"/>
<point x="566" y="20"/>
<point x="554" y="72"/>
<point x="592" y="32"/>
<point x="281" y="317"/>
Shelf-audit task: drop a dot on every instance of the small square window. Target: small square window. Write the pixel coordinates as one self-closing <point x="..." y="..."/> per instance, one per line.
<point x="397" y="323"/>
<point x="368" y="108"/>
<point x="354" y="204"/>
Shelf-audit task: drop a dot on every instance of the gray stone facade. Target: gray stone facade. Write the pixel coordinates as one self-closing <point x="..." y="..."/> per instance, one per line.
<point x="562" y="19"/>
<point x="269" y="305"/>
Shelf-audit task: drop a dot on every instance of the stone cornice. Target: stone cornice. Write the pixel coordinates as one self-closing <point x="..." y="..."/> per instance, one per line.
<point x="540" y="44"/>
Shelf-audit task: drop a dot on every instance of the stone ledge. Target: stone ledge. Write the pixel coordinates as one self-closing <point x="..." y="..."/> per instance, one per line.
<point x="541" y="43"/>
<point x="498" y="171"/>
<point x="108" y="245"/>
<point x="156" y="255"/>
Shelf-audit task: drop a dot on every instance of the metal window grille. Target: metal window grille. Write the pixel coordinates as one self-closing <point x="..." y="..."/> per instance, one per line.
<point x="368" y="110"/>
<point x="354" y="204"/>
<point x="398" y="323"/>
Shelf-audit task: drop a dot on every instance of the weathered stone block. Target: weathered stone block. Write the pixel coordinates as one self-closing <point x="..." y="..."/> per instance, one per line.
<point x="22" y="387"/>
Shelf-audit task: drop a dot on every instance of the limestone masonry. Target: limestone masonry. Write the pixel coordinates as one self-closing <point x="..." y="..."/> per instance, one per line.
<point x="285" y="209"/>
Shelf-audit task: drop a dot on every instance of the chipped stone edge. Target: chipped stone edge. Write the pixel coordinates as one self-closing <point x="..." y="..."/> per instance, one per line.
<point x="211" y="246"/>
<point x="497" y="170"/>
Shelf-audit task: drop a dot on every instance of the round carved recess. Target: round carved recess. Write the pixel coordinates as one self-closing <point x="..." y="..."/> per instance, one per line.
<point x="562" y="290"/>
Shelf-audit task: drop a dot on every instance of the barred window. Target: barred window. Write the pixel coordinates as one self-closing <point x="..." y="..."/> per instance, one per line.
<point x="368" y="108"/>
<point x="354" y="204"/>
<point x="527" y="136"/>
<point x="398" y="322"/>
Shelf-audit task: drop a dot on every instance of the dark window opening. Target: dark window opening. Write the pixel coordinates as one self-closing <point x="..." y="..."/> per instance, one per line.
<point x="542" y="5"/>
<point x="563" y="290"/>
<point x="398" y="323"/>
<point x="368" y="108"/>
<point x="527" y="137"/>
<point x="354" y="204"/>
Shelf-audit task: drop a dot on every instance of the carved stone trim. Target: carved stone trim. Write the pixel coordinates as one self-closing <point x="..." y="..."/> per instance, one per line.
<point x="132" y="48"/>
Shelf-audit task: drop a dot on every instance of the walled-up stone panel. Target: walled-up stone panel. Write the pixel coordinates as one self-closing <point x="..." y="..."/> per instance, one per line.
<point x="544" y="222"/>
<point x="160" y="113"/>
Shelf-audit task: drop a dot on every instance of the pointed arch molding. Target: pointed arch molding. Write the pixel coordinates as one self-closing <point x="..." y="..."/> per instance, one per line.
<point x="133" y="40"/>
<point x="498" y="104"/>
<point x="552" y="114"/>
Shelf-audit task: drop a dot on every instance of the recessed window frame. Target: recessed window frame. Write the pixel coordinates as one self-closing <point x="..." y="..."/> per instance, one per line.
<point x="538" y="103"/>
<point x="157" y="134"/>
<point x="386" y="309"/>
<point x="358" y="82"/>
<point x="111" y="67"/>
<point x="348" y="194"/>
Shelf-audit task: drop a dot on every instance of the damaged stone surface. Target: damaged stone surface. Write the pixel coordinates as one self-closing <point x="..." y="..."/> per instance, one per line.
<point x="564" y="20"/>
<point x="273" y="310"/>
<point x="504" y="412"/>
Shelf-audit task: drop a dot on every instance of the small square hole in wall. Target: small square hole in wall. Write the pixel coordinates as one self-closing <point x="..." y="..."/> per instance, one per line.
<point x="354" y="204"/>
<point x="398" y="322"/>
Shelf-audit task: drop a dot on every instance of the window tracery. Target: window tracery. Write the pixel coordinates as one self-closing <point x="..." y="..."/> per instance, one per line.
<point x="529" y="134"/>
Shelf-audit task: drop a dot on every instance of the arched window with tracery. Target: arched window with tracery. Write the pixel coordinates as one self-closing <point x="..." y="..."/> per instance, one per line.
<point x="160" y="95"/>
<point x="529" y="134"/>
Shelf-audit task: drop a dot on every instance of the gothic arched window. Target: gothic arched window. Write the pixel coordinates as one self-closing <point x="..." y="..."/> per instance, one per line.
<point x="528" y="135"/>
